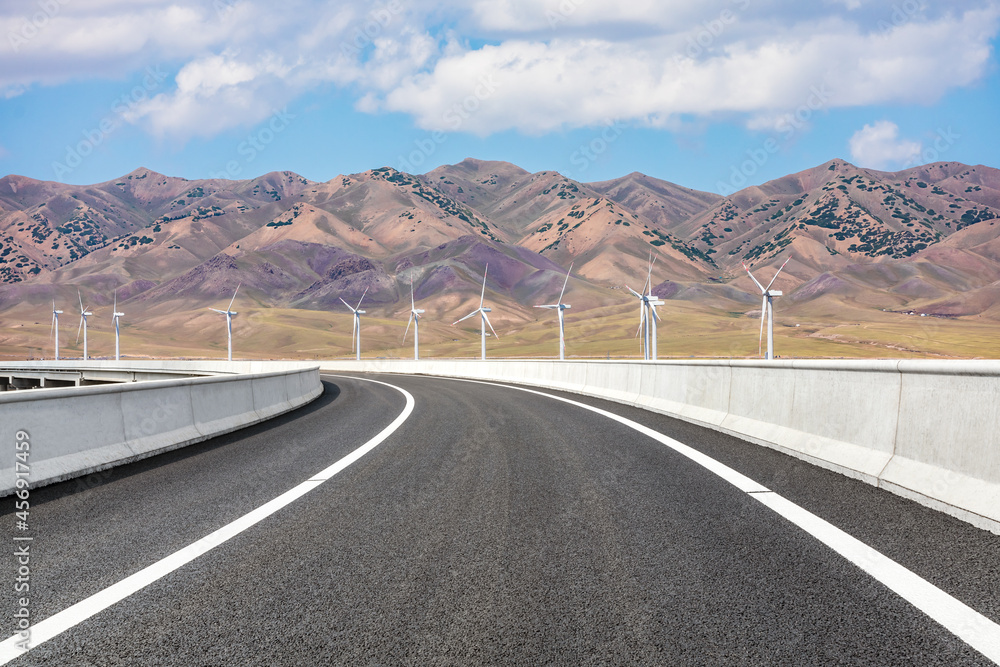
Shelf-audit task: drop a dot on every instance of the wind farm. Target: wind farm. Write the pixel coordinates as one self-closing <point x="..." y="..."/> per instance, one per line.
<point x="647" y="314"/>
<point x="116" y="320"/>
<point x="414" y="319"/>
<point x="54" y="329"/>
<point x="230" y="314"/>
<point x="484" y="318"/>
<point x="356" y="313"/>
<point x="560" y="309"/>
<point x="84" y="314"/>
<point x="767" y="309"/>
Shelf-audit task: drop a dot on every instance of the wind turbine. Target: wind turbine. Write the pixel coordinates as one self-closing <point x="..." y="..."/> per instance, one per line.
<point x="415" y="319"/>
<point x="115" y="315"/>
<point x="356" y="333"/>
<point x="54" y="329"/>
<point x="83" y="324"/>
<point x="647" y="320"/>
<point x="482" y="312"/>
<point x="766" y="310"/>
<point x="560" y="308"/>
<point x="230" y="314"/>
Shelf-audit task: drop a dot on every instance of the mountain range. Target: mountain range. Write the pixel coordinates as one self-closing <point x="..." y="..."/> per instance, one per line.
<point x="925" y="239"/>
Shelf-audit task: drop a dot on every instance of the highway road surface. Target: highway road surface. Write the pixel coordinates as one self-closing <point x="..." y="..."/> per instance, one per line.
<point x="482" y="524"/>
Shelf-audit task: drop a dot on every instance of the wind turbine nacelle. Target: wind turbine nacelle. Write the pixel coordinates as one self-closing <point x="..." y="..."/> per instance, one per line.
<point x="360" y="312"/>
<point x="419" y="312"/>
<point x="564" y="306"/>
<point x="657" y="303"/>
<point x="774" y="292"/>
<point x="486" y="310"/>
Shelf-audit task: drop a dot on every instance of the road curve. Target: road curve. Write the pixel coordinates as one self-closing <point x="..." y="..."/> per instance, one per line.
<point x="494" y="526"/>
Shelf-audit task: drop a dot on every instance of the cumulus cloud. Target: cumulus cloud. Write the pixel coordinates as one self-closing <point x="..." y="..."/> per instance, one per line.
<point x="879" y="146"/>
<point x="491" y="65"/>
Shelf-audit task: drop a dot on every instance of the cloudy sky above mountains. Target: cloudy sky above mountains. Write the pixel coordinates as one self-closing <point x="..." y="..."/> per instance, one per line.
<point x="713" y="95"/>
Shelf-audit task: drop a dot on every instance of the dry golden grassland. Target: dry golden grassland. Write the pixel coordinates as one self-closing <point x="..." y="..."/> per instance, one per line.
<point x="686" y="330"/>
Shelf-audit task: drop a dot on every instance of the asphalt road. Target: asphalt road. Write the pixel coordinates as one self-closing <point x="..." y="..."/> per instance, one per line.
<point x="494" y="527"/>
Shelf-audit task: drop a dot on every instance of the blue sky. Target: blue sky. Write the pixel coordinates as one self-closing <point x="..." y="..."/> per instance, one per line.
<point x="709" y="95"/>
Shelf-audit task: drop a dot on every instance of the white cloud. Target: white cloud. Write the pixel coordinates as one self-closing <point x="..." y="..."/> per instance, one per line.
<point x="530" y="65"/>
<point x="878" y="146"/>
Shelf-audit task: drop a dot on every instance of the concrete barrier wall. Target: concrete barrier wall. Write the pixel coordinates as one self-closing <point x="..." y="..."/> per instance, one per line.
<point x="927" y="430"/>
<point x="78" y="430"/>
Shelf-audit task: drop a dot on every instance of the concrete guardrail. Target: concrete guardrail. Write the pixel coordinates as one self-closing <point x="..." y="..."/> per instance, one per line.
<point x="79" y="430"/>
<point x="924" y="429"/>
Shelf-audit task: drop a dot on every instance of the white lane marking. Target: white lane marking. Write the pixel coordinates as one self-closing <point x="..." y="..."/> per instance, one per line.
<point x="64" y="620"/>
<point x="963" y="621"/>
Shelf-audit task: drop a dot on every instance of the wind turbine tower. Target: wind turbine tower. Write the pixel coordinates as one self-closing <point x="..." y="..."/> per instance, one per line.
<point x="54" y="329"/>
<point x="647" y="313"/>
<point x="230" y="314"/>
<point x="356" y="333"/>
<point x="84" y="313"/>
<point x="115" y="316"/>
<point x="415" y="319"/>
<point x="560" y="307"/>
<point x="766" y="310"/>
<point x="485" y="321"/>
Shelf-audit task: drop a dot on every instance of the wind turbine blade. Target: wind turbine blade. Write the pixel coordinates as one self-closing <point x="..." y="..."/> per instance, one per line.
<point x="487" y="318"/>
<point x="465" y="318"/>
<point x="482" y="296"/>
<point x="563" y="291"/>
<point x="652" y="309"/>
<point x="79" y="329"/>
<point x="80" y="297"/>
<point x="53" y="326"/>
<point x="763" y="314"/>
<point x="633" y="292"/>
<point x="354" y="331"/>
<point x="413" y="305"/>
<point x="642" y="319"/>
<point x="752" y="278"/>
<point x="408" y="322"/>
<point x="776" y="274"/>
<point x="346" y="304"/>
<point x="221" y="312"/>
<point x="234" y="296"/>
<point x="116" y="298"/>
<point x="361" y="299"/>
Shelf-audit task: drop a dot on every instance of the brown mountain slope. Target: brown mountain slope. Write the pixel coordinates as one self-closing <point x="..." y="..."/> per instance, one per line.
<point x="661" y="202"/>
<point x="861" y="241"/>
<point x="51" y="224"/>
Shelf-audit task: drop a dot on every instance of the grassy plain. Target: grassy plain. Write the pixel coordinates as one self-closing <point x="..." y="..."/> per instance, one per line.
<point x="687" y="329"/>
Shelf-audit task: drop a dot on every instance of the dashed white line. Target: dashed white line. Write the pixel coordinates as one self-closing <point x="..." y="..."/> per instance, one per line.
<point x="62" y="621"/>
